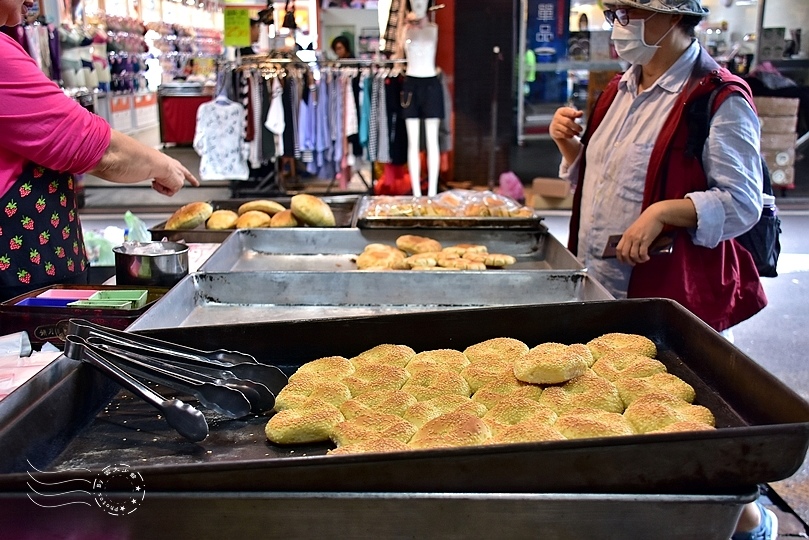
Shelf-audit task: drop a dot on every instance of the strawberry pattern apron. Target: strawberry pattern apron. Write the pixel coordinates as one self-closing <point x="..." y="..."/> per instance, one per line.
<point x="40" y="237"/>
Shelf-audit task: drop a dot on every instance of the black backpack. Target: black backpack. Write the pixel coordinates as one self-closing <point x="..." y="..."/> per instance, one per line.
<point x="762" y="241"/>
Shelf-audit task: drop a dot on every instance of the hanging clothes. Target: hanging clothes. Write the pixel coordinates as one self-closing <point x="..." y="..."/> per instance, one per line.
<point x="219" y="141"/>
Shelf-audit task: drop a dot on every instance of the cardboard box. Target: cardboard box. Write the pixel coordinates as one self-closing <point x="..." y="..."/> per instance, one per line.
<point x="778" y="141"/>
<point x="775" y="106"/>
<point x="539" y="202"/>
<point x="554" y="188"/>
<point x="778" y="124"/>
<point x="777" y="159"/>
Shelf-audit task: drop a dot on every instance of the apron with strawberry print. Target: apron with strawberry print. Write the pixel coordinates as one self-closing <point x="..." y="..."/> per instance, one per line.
<point x="40" y="236"/>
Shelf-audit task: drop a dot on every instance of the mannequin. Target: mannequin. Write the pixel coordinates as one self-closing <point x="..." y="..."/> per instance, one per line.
<point x="422" y="96"/>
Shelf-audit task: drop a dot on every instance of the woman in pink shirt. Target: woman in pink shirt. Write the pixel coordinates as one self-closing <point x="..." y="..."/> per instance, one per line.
<point x="45" y="137"/>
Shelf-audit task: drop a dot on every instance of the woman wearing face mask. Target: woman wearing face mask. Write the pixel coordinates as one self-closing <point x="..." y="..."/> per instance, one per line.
<point x="633" y="177"/>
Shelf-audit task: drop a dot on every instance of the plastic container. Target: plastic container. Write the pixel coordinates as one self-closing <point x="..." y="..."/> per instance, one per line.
<point x="101" y="304"/>
<point x="137" y="297"/>
<point x="45" y="302"/>
<point x="73" y="294"/>
<point x="769" y="208"/>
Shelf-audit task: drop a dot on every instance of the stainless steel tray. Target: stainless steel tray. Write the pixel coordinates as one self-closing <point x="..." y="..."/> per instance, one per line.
<point x="336" y="250"/>
<point x="229" y="298"/>
<point x="341" y="205"/>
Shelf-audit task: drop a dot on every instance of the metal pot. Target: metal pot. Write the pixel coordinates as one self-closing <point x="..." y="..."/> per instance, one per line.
<point x="136" y="265"/>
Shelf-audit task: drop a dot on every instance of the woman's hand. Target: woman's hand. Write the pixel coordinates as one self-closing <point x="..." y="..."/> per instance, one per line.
<point x="634" y="245"/>
<point x="563" y="125"/>
<point x="174" y="178"/>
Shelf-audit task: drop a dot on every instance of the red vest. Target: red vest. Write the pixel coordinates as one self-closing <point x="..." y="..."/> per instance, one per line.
<point x="721" y="285"/>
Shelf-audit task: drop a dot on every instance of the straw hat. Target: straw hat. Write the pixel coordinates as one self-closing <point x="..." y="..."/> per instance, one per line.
<point x="672" y="7"/>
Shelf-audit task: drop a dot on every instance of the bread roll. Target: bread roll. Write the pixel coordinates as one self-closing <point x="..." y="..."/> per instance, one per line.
<point x="552" y="363"/>
<point x="617" y="340"/>
<point x="584" y="423"/>
<point x="588" y="391"/>
<point x="451" y="430"/>
<point x="312" y="422"/>
<point x="372" y="425"/>
<point x="312" y="211"/>
<point x="268" y="207"/>
<point x="370" y="446"/>
<point x="284" y="218"/>
<point x="190" y="216"/>
<point x="222" y="219"/>
<point x="253" y="220"/>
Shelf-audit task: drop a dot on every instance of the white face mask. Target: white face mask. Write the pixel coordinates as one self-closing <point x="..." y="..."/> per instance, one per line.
<point x="629" y="42"/>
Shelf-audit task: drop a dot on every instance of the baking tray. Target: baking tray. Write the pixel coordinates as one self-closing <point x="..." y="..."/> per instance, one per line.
<point x="48" y="324"/>
<point x="432" y="222"/>
<point x="762" y="436"/>
<point x="342" y="206"/>
<point x="228" y="298"/>
<point x="336" y="250"/>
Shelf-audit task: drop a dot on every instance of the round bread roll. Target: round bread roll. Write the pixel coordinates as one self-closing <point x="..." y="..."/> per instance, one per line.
<point x="372" y="425"/>
<point x="382" y="247"/>
<point x="492" y="260"/>
<point x="313" y="422"/>
<point x="687" y="425"/>
<point x="623" y="363"/>
<point x="483" y="372"/>
<point x="445" y="358"/>
<point x="631" y="388"/>
<point x="284" y="218"/>
<point x="490" y="394"/>
<point x="312" y="210"/>
<point x="296" y="394"/>
<point x="460" y="263"/>
<point x="614" y="341"/>
<point x="552" y="363"/>
<point x="370" y="446"/>
<point x="384" y="401"/>
<point x="427" y="383"/>
<point x="451" y="430"/>
<point x="433" y="269"/>
<point x="393" y="355"/>
<point x="531" y="430"/>
<point x="190" y="216"/>
<point x="585" y="423"/>
<point x="507" y="350"/>
<point x="424" y="411"/>
<point x="512" y="410"/>
<point x="462" y="249"/>
<point x="222" y="219"/>
<point x="381" y="260"/>
<point x="370" y="377"/>
<point x="411" y="244"/>
<point x="656" y="411"/>
<point x="429" y="258"/>
<point x="588" y="391"/>
<point x="522" y="212"/>
<point x="328" y="368"/>
<point x="262" y="205"/>
<point x="253" y="220"/>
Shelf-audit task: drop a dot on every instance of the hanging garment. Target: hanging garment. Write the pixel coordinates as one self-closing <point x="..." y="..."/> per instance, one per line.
<point x="275" y="121"/>
<point x="373" y="132"/>
<point x="397" y="139"/>
<point x="383" y="150"/>
<point x="219" y="140"/>
<point x="255" y="155"/>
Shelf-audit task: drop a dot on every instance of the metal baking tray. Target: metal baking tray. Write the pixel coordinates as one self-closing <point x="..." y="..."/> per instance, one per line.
<point x="336" y="250"/>
<point x="431" y="222"/>
<point x="762" y="435"/>
<point x="204" y="299"/>
<point x="342" y="206"/>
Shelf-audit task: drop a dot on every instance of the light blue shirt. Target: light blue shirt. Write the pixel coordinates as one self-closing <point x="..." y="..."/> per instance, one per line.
<point x="618" y="158"/>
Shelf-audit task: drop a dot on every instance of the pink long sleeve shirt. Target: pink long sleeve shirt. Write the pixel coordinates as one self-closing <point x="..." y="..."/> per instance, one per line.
<point x="39" y="123"/>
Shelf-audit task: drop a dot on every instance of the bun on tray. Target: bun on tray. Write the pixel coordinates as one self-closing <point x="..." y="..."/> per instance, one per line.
<point x="253" y="219"/>
<point x="312" y="211"/>
<point x="222" y="219"/>
<point x="284" y="218"/>
<point x="190" y="216"/>
<point x="262" y="205"/>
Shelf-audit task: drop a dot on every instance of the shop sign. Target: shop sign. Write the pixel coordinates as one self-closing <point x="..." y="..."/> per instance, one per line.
<point x="547" y="25"/>
<point x="237" y="27"/>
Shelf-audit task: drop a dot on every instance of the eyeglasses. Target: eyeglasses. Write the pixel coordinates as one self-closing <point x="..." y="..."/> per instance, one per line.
<point x="621" y="15"/>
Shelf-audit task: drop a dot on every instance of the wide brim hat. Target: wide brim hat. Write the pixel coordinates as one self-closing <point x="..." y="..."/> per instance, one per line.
<point x="671" y="7"/>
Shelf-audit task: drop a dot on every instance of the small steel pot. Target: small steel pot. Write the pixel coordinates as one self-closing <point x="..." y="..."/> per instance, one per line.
<point x="163" y="270"/>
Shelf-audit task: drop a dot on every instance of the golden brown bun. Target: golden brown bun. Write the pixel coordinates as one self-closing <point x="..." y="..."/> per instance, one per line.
<point x="190" y="216"/>
<point x="370" y="446"/>
<point x="463" y="249"/>
<point x="379" y="259"/>
<point x="459" y="263"/>
<point x="383" y="401"/>
<point x="429" y="382"/>
<point x="313" y="422"/>
<point x="424" y="411"/>
<point x="393" y="355"/>
<point x="253" y="220"/>
<point x="429" y="258"/>
<point x="479" y="374"/>
<point x="616" y="340"/>
<point x="631" y="388"/>
<point x="624" y="363"/>
<point x="312" y="211"/>
<point x="512" y="410"/>
<point x="588" y="391"/>
<point x="450" y="430"/>
<point x="552" y="363"/>
<point x="446" y="358"/>
<point x="411" y="244"/>
<point x="584" y="423"/>
<point x="656" y="411"/>
<point x="493" y="260"/>
<point x="507" y="385"/>
<point x="687" y="425"/>
<point x="328" y="368"/>
<point x="504" y="349"/>
<point x="222" y="219"/>
<point x="371" y="377"/>
<point x="284" y="218"/>
<point x="531" y="430"/>
<point x="372" y="425"/>
<point x="297" y="393"/>
<point x="268" y="207"/>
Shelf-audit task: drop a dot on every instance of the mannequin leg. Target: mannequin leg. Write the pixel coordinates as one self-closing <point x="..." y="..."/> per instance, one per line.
<point x="413" y="126"/>
<point x="433" y="154"/>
